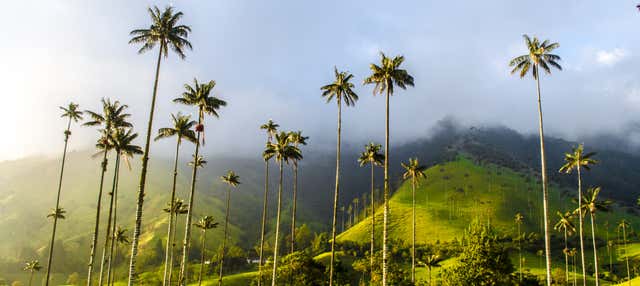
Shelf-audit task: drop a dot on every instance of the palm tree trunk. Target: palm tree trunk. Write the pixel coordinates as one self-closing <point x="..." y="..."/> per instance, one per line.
<point x="55" y="217"/>
<point x="30" y="278"/>
<point x="386" y="193"/>
<point x="566" y="257"/>
<point x="169" y="247"/>
<point x="264" y="219"/>
<point x="143" y="180"/>
<point x="113" y="228"/>
<point x="275" y="245"/>
<point x="373" y="226"/>
<point x="545" y="193"/>
<point x="182" y="277"/>
<point x="96" y="229"/>
<point x="295" y="198"/>
<point x="519" y="252"/>
<point x="204" y="233"/>
<point x="626" y="255"/>
<point x="335" y="195"/>
<point x="413" y="231"/>
<point x="107" y="238"/>
<point x="580" y="225"/>
<point x="595" y="249"/>
<point x="224" y="238"/>
<point x="173" y="246"/>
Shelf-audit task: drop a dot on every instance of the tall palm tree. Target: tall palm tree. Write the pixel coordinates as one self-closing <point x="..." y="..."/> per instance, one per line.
<point x="519" y="219"/>
<point x="271" y="128"/>
<point x="119" y="238"/>
<point x="121" y="141"/>
<point x="430" y="262"/>
<point x="167" y="34"/>
<point x="283" y="151"/>
<point x="565" y="225"/>
<point x="205" y="223"/>
<point x="372" y="156"/>
<point x="32" y="266"/>
<point x="181" y="129"/>
<point x="624" y="225"/>
<point x="112" y="117"/>
<point x="578" y="160"/>
<point x="296" y="139"/>
<point x="73" y="114"/>
<point x="539" y="56"/>
<point x="414" y="171"/>
<point x="591" y="205"/>
<point x="179" y="207"/>
<point x="198" y="95"/>
<point x="232" y="180"/>
<point x="384" y="77"/>
<point x="342" y="90"/>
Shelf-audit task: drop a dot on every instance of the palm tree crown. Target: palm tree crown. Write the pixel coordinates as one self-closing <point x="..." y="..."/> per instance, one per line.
<point x="341" y="89"/>
<point x="565" y="223"/>
<point x="282" y="149"/>
<point x="388" y="74"/>
<point x="199" y="162"/>
<point x="72" y="112"/>
<point x="206" y="222"/>
<point x="199" y="95"/>
<point x="231" y="178"/>
<point x="296" y="138"/>
<point x="112" y="116"/>
<point x="270" y="127"/>
<point x="591" y="204"/>
<point x="413" y="169"/>
<point x="164" y="31"/>
<point x="182" y="125"/>
<point x="58" y="213"/>
<point x="371" y="155"/>
<point x="539" y="56"/>
<point x="32" y="266"/>
<point x="577" y="159"/>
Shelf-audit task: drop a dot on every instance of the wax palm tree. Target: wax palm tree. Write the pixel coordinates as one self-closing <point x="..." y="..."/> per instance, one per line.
<point x="271" y="128"/>
<point x="566" y="226"/>
<point x="296" y="139"/>
<point x="73" y="114"/>
<point x="413" y="171"/>
<point x="199" y="96"/>
<point x="432" y="261"/>
<point x="181" y="129"/>
<point x="205" y="223"/>
<point x="122" y="142"/>
<point x="539" y="56"/>
<point x="519" y="219"/>
<point x="179" y="207"/>
<point x="232" y="180"/>
<point x="372" y="156"/>
<point x="342" y="90"/>
<point x="119" y="238"/>
<point x="112" y="117"/>
<point x="32" y="266"/>
<point x="591" y="205"/>
<point x="623" y="225"/>
<point x="58" y="213"/>
<point x="577" y="160"/>
<point x="166" y="33"/>
<point x="384" y="77"/>
<point x="283" y="151"/>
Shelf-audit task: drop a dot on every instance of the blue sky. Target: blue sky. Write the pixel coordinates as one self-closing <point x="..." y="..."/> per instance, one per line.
<point x="269" y="59"/>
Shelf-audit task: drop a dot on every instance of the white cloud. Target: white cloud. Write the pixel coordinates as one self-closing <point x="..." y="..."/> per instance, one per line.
<point x="610" y="58"/>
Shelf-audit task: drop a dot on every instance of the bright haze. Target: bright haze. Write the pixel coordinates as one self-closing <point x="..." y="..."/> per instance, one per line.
<point x="269" y="59"/>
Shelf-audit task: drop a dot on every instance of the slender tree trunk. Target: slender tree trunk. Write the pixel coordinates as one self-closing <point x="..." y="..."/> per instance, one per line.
<point x="520" y="252"/>
<point x="169" y="247"/>
<point x="224" y="238"/>
<point x="335" y="195"/>
<point x="595" y="249"/>
<point x="96" y="229"/>
<point x="204" y="233"/>
<point x="173" y="249"/>
<point x="30" y="278"/>
<point x="545" y="193"/>
<point x="107" y="238"/>
<point x="295" y="198"/>
<point x="413" y="231"/>
<point x="373" y="226"/>
<point x="566" y="257"/>
<point x="113" y="228"/>
<point x="143" y="180"/>
<point x="386" y="194"/>
<point x="626" y="254"/>
<point x="264" y="218"/>
<point x="275" y="245"/>
<point x="581" y="231"/>
<point x="182" y="278"/>
<point x="67" y="132"/>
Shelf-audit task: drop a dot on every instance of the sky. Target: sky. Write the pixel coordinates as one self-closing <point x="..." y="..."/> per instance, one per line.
<point x="270" y="58"/>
